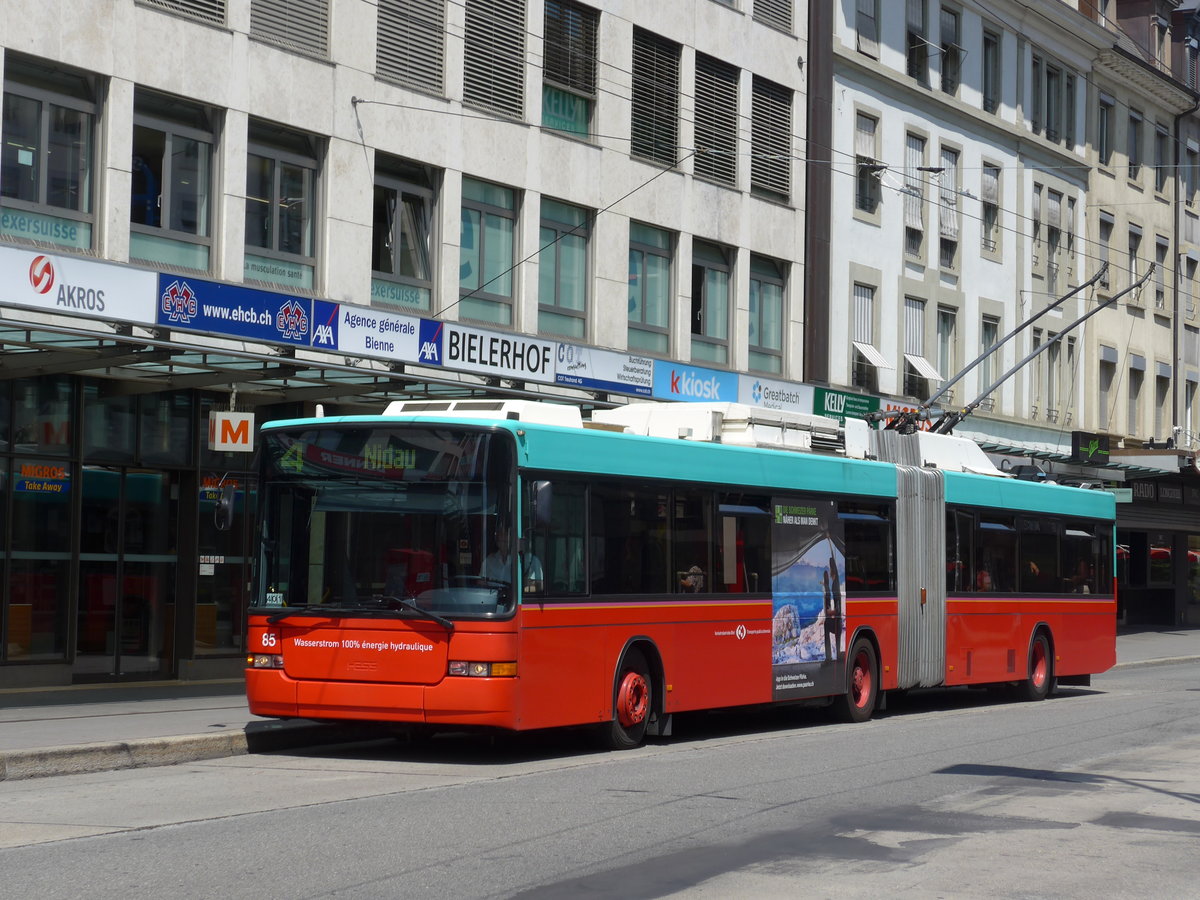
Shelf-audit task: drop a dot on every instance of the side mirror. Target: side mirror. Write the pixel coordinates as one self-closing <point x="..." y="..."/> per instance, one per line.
<point x="542" y="497"/>
<point x="223" y="513"/>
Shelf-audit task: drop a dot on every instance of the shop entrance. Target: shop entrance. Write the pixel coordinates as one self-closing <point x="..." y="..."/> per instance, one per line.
<point x="128" y="562"/>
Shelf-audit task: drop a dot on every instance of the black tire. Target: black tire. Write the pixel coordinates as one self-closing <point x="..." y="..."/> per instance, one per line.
<point x="862" y="684"/>
<point x="633" y="703"/>
<point x="1040" y="681"/>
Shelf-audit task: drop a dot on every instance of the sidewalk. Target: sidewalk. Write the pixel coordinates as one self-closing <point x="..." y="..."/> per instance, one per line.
<point x="96" y="728"/>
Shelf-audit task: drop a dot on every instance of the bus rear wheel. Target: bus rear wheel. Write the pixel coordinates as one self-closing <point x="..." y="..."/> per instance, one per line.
<point x="1040" y="680"/>
<point x="862" y="684"/>
<point x="633" y="700"/>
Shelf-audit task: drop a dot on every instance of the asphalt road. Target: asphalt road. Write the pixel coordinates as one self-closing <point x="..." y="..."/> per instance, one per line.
<point x="947" y="794"/>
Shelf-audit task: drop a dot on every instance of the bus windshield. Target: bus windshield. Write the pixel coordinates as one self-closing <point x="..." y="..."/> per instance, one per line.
<point x="364" y="519"/>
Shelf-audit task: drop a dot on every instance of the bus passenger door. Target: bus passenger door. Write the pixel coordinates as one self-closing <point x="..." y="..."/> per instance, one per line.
<point x="921" y="576"/>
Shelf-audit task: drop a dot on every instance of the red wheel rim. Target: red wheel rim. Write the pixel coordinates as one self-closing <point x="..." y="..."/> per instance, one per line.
<point x="633" y="700"/>
<point x="1038" y="670"/>
<point x="860" y="681"/>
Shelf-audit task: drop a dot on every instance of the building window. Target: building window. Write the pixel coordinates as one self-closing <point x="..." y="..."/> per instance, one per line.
<point x="1054" y="103"/>
<point x="919" y="373"/>
<point x="1134" y="144"/>
<point x="1106" y="230"/>
<point x="766" y="315"/>
<point x="710" y="303"/>
<point x="917" y="41"/>
<point x="1053" y="360"/>
<point x="770" y="140"/>
<point x="1069" y="230"/>
<point x="569" y="74"/>
<point x="951" y="23"/>
<point x="1191" y="167"/>
<point x="1054" y="202"/>
<point x="866" y="25"/>
<point x="1105" y="113"/>
<point x="1191" y="63"/>
<point x="1135" y="248"/>
<point x="1160" y="267"/>
<point x="281" y="176"/>
<point x="989" y="334"/>
<point x="654" y="129"/>
<point x="1107" y="374"/>
<point x="562" y="269"/>
<point x="494" y="56"/>
<point x="486" y="247"/>
<point x="47" y="160"/>
<point x="1133" y="413"/>
<point x="300" y="25"/>
<point x="1162" y="163"/>
<point x="1161" y="32"/>
<point x="1162" y="393"/>
<point x="867" y="358"/>
<point x="914" y="195"/>
<point x="401" y="235"/>
<point x="649" y="288"/>
<point x="991" y="71"/>
<point x="947" y="342"/>
<point x="777" y="13"/>
<point x="171" y="183"/>
<point x="211" y="11"/>
<point x="716" y="120"/>
<point x="868" y="168"/>
<point x="948" y="209"/>
<point x="989" y="196"/>
<point x="410" y="45"/>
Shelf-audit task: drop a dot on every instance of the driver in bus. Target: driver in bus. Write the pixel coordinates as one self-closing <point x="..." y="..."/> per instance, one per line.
<point x="497" y="566"/>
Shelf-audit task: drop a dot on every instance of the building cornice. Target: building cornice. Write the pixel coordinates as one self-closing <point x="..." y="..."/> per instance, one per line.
<point x="1121" y="65"/>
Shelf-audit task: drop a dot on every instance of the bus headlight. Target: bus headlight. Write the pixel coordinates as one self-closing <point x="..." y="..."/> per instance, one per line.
<point x="482" y="669"/>
<point x="264" y="661"/>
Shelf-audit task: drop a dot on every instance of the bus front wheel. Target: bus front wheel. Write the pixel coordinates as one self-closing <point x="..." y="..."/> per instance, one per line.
<point x="633" y="700"/>
<point x="862" y="684"/>
<point x="1040" y="680"/>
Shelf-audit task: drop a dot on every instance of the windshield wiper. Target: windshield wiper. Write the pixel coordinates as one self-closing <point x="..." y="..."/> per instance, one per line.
<point x="405" y="603"/>
<point x="379" y="611"/>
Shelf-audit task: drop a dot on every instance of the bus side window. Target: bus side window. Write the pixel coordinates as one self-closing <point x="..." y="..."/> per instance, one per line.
<point x="559" y="542"/>
<point x="742" y="555"/>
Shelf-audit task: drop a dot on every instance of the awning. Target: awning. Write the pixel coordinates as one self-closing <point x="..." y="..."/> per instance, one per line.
<point x="923" y="366"/>
<point x="873" y="356"/>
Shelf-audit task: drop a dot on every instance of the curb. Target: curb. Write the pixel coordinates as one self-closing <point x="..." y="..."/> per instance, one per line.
<point x="79" y="759"/>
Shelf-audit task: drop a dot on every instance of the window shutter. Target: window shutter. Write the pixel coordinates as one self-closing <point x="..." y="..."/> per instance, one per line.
<point x="948" y="217"/>
<point x="868" y="28"/>
<point x="655" y="125"/>
<point x="716" y="119"/>
<point x="410" y="46"/>
<point x="570" y="46"/>
<point x="1053" y="209"/>
<point x="202" y="10"/>
<point x="771" y="138"/>
<point x="915" y="16"/>
<point x="914" y="326"/>
<point x="864" y="313"/>
<point x="774" y="12"/>
<point x="864" y="136"/>
<point x="494" y="63"/>
<point x="301" y="25"/>
<point x="914" y="193"/>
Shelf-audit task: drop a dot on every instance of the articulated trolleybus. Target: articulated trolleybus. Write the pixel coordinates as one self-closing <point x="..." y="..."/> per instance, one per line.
<point x="505" y="564"/>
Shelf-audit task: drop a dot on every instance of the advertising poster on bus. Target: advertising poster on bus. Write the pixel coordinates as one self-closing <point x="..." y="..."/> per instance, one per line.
<point x="807" y="577"/>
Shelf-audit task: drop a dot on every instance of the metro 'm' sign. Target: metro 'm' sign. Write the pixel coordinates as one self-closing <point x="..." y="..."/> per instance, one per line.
<point x="231" y="432"/>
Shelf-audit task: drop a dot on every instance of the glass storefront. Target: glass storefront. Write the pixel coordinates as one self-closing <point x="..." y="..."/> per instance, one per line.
<point x="111" y="563"/>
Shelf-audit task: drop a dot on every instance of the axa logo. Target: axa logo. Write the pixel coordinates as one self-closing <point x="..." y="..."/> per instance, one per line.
<point x="688" y="385"/>
<point x="430" y="350"/>
<point x="292" y="320"/>
<point x="41" y="274"/>
<point x="178" y="302"/>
